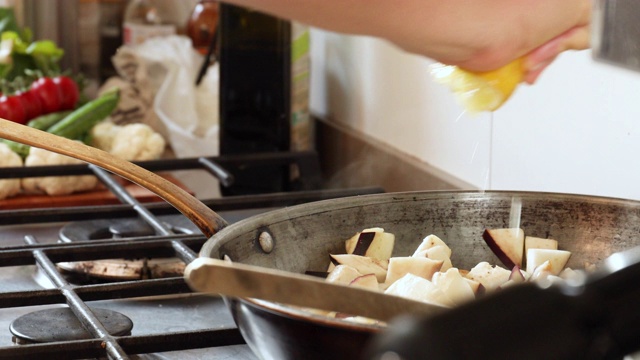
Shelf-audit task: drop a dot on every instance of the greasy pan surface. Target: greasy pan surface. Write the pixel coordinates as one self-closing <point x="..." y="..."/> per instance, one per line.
<point x="590" y="227"/>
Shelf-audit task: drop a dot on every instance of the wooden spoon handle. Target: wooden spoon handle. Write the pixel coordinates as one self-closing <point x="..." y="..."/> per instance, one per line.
<point x="248" y="281"/>
<point x="202" y="216"/>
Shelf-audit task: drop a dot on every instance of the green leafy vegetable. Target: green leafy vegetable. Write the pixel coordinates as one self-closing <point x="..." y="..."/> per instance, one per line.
<point x="19" y="56"/>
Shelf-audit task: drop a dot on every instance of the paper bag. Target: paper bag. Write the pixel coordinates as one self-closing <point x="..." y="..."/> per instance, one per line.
<point x="157" y="80"/>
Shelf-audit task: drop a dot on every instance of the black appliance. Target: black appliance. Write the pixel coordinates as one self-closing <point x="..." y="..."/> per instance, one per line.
<point x="255" y="95"/>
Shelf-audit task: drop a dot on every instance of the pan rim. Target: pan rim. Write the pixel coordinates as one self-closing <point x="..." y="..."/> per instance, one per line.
<point x="251" y="224"/>
<point x="213" y="245"/>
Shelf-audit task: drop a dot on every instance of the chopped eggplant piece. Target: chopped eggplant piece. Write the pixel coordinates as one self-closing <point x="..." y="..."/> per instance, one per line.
<point x="507" y="244"/>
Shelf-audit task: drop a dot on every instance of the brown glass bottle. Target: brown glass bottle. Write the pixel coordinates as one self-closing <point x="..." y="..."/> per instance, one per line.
<point x="201" y="26"/>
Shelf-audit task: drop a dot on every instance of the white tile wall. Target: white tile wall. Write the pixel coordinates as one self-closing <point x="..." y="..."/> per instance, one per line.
<point x="577" y="130"/>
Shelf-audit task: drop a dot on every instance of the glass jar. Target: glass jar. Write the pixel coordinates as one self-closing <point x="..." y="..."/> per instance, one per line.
<point x="144" y="19"/>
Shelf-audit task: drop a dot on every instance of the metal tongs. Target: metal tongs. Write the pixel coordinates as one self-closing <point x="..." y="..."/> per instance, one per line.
<point x="597" y="317"/>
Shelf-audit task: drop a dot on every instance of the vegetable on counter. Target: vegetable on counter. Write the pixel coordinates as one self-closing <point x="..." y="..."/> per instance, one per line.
<point x="73" y="125"/>
<point x="56" y="93"/>
<point x="45" y="96"/>
<point x="11" y="108"/>
<point x="31" y="80"/>
<point x="81" y="120"/>
<point x="8" y="158"/>
<point x="19" y="54"/>
<point x="68" y="92"/>
<point x="30" y="103"/>
<point x="42" y="122"/>
<point x="34" y="92"/>
<point x="132" y="142"/>
<point x="90" y="124"/>
<point x="55" y="185"/>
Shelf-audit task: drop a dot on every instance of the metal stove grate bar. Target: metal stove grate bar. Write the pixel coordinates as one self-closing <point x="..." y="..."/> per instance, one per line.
<point x="82" y="311"/>
<point x="164" y="244"/>
<point x="94" y="348"/>
<point x="75" y="297"/>
<point x="110" y="345"/>
<point x="238" y="202"/>
<point x="182" y="252"/>
<point x="148" y="246"/>
<point x="120" y="290"/>
<point x="307" y="163"/>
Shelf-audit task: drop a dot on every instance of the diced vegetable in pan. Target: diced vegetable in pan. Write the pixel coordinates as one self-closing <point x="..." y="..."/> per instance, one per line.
<point x="429" y="275"/>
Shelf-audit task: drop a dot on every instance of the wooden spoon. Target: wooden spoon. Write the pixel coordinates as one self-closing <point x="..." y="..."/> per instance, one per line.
<point x="222" y="277"/>
<point x="201" y="215"/>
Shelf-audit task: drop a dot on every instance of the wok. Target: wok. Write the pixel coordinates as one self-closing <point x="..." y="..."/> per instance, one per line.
<point x="302" y="237"/>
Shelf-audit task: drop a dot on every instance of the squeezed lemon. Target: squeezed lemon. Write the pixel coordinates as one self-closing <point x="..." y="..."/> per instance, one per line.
<point x="480" y="91"/>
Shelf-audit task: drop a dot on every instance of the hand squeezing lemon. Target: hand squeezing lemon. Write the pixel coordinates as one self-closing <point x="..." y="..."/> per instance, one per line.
<point x="481" y="91"/>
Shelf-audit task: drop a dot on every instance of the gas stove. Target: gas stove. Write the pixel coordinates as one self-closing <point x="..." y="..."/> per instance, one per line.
<point x="106" y="281"/>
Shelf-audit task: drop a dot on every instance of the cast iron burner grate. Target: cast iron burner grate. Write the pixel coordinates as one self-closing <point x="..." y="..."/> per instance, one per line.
<point x="99" y="340"/>
<point x="104" y="270"/>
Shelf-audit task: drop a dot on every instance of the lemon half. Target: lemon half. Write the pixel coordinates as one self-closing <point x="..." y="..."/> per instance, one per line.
<point x="480" y="91"/>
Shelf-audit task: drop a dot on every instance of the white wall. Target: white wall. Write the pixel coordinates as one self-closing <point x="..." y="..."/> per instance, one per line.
<point x="577" y="130"/>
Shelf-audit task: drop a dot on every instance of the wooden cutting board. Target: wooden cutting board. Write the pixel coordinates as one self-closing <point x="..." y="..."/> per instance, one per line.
<point x="100" y="196"/>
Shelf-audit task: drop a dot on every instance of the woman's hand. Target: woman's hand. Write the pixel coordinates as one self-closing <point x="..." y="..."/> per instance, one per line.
<point x="545" y="29"/>
<point x="538" y="60"/>
<point x="477" y="35"/>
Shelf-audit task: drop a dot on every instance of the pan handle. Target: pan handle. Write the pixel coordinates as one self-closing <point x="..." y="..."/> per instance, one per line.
<point x="207" y="220"/>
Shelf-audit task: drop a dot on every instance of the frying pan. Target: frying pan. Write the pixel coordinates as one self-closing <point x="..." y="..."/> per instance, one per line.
<point x="301" y="237"/>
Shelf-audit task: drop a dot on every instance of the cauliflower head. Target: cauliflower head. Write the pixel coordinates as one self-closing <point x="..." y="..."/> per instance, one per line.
<point x="132" y="142"/>
<point x="8" y="158"/>
<point x="55" y="185"/>
<point x="103" y="133"/>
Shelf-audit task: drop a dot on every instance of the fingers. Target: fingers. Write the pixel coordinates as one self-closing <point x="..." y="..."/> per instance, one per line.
<point x="577" y="39"/>
<point x="532" y="75"/>
<point x="539" y="59"/>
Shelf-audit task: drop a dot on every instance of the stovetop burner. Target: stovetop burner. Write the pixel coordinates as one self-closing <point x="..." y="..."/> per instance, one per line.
<point x="99" y="229"/>
<point x="122" y="269"/>
<point x="60" y="324"/>
<point x="171" y="322"/>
